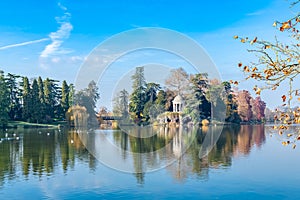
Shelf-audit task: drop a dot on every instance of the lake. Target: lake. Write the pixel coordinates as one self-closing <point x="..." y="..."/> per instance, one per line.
<point x="245" y="163"/>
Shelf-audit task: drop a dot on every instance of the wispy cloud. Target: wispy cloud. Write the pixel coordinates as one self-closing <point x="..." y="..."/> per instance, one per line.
<point x="23" y="43"/>
<point x="58" y="37"/>
<point x="257" y="13"/>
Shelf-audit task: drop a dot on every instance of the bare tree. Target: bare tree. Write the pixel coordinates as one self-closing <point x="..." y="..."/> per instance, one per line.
<point x="178" y="81"/>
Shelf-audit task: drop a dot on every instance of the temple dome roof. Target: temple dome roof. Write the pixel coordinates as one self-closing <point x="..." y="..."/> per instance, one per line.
<point x="178" y="100"/>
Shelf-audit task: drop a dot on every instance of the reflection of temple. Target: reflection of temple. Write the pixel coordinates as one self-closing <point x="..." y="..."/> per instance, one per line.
<point x="178" y="143"/>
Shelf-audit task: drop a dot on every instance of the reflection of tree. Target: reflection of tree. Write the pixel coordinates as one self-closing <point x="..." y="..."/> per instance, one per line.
<point x="70" y="145"/>
<point x="41" y="152"/>
<point x="232" y="139"/>
<point x="8" y="161"/>
<point x="38" y="152"/>
<point x="249" y="136"/>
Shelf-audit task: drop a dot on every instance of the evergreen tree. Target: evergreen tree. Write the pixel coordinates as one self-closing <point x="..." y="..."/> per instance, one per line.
<point x="161" y="98"/>
<point x="71" y="94"/>
<point x="231" y="104"/>
<point x="26" y="112"/>
<point x="124" y="103"/>
<point x="42" y="106"/>
<point x="35" y="107"/>
<point x="150" y="97"/>
<point x="49" y="107"/>
<point x="15" y="112"/>
<point x="64" y="98"/>
<point x="4" y="101"/>
<point x="88" y="99"/>
<point x="52" y="93"/>
<point x="197" y="105"/>
<point x="215" y="96"/>
<point x="137" y="97"/>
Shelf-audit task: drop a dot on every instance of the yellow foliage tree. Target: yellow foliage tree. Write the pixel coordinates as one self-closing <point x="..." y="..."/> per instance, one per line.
<point x="77" y="116"/>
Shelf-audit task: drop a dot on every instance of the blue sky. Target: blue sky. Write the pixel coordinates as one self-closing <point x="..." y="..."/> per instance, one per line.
<point x="53" y="38"/>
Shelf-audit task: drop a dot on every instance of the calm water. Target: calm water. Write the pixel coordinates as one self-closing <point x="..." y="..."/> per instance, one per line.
<point x="246" y="163"/>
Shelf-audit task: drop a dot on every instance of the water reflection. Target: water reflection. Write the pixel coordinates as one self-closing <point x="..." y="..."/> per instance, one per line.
<point x="43" y="152"/>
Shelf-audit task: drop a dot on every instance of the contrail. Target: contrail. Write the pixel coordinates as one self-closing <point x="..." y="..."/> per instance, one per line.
<point x="23" y="43"/>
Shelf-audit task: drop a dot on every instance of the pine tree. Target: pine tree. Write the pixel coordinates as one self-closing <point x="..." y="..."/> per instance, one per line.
<point x="35" y="107"/>
<point x="137" y="97"/>
<point x="4" y="101"/>
<point x="52" y="94"/>
<point x="161" y="98"/>
<point x="124" y="103"/>
<point x="42" y="100"/>
<point x="71" y="94"/>
<point x="14" y="94"/>
<point x="65" y="104"/>
<point x="26" y="99"/>
<point x="150" y="97"/>
<point x="197" y="105"/>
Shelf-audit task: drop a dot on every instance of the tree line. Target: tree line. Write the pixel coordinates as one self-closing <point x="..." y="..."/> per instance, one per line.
<point x="35" y="100"/>
<point x="203" y="98"/>
<point x="42" y="101"/>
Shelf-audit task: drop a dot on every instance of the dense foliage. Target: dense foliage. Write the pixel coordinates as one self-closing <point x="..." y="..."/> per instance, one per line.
<point x="203" y="98"/>
<point x="35" y="101"/>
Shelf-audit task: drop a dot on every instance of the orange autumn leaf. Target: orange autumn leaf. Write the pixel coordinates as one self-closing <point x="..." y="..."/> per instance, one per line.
<point x="253" y="41"/>
<point x="235" y="37"/>
<point x="254" y="69"/>
<point x="258" y="91"/>
<point x="240" y="64"/>
<point x="285" y="25"/>
<point x="283" y="98"/>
